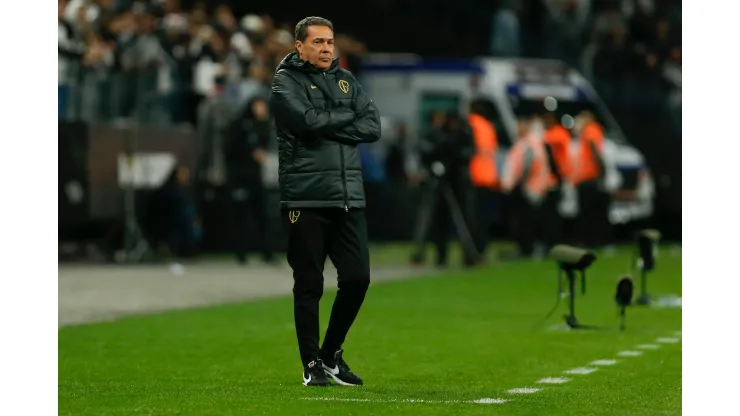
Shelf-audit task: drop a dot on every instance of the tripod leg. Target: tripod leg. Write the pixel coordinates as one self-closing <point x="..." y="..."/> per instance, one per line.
<point x="462" y="228"/>
<point x="571" y="318"/>
<point x="644" y="298"/>
<point x="139" y="251"/>
<point x="560" y="283"/>
<point x="425" y="218"/>
<point x="583" y="282"/>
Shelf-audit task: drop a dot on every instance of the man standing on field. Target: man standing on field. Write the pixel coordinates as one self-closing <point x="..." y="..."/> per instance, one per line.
<point x="322" y="114"/>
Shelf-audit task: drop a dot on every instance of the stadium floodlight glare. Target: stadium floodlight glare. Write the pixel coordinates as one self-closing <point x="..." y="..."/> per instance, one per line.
<point x="647" y="241"/>
<point x="623" y="296"/>
<point x="571" y="260"/>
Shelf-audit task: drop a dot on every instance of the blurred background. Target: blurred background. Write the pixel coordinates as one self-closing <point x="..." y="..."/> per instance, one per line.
<point x="167" y="149"/>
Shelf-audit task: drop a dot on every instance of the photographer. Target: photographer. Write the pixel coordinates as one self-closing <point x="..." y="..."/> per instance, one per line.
<point x="445" y="152"/>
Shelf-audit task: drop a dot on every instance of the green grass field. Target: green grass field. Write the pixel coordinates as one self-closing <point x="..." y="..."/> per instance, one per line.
<point x="428" y="346"/>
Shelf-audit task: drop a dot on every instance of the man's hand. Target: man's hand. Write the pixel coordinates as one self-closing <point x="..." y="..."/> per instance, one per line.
<point x="366" y="126"/>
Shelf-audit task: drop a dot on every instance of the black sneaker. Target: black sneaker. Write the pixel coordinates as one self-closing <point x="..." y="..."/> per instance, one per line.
<point x="313" y="375"/>
<point x="338" y="370"/>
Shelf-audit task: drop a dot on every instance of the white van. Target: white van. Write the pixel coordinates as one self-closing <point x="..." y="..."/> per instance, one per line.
<point x="407" y="88"/>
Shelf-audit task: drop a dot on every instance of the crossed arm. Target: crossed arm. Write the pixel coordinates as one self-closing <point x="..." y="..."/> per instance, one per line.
<point x="343" y="124"/>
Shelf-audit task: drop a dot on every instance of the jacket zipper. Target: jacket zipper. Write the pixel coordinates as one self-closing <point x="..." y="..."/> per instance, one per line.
<point x="341" y="156"/>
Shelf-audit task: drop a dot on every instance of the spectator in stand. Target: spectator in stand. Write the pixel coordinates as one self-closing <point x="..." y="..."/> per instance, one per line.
<point x="566" y="24"/>
<point x="505" y="39"/>
<point x="71" y="51"/>
<point x="606" y="19"/>
<point x="613" y="63"/>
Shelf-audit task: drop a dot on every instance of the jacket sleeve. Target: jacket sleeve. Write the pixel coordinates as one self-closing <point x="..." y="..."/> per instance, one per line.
<point x="366" y="127"/>
<point x="288" y="101"/>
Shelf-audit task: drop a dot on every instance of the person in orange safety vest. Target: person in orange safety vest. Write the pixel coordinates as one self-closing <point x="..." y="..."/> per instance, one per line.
<point x="558" y="145"/>
<point x="483" y="173"/>
<point x="526" y="177"/>
<point x="588" y="177"/>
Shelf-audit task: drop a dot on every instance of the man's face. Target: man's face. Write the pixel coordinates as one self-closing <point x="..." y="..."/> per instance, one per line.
<point x="318" y="48"/>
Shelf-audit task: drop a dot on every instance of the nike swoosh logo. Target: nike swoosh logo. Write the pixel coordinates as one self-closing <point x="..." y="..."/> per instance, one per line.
<point x="313" y="87"/>
<point x="334" y="370"/>
<point x="307" y="380"/>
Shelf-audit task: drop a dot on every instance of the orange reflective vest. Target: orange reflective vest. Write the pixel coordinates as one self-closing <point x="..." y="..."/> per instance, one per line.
<point x="536" y="183"/>
<point x="587" y="165"/>
<point x="558" y="138"/>
<point x="483" y="164"/>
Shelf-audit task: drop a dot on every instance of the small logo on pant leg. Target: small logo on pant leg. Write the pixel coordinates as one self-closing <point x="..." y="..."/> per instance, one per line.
<point x="293" y="216"/>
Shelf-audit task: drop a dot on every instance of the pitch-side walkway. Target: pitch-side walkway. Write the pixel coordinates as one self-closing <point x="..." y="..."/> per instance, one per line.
<point x="96" y="293"/>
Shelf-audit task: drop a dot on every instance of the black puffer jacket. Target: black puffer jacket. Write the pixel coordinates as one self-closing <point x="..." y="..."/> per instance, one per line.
<point x="321" y="117"/>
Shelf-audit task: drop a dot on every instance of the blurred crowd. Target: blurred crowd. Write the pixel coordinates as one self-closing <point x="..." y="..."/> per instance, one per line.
<point x="157" y="60"/>
<point x="630" y="49"/>
<point x="638" y="47"/>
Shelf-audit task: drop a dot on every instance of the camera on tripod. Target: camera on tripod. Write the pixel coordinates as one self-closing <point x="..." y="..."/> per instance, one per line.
<point x="445" y="152"/>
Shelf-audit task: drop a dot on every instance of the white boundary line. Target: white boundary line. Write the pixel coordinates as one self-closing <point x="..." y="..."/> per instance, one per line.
<point x="486" y="400"/>
<point x="599" y="363"/>
<point x="553" y="380"/>
<point x="603" y="362"/>
<point x="580" y="371"/>
<point x="647" y="346"/>
<point x="519" y="390"/>
<point x="524" y="390"/>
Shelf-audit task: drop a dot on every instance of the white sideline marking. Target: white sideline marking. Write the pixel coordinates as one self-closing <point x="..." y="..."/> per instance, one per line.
<point x="629" y="353"/>
<point x="667" y="340"/>
<point x="677" y="333"/>
<point x="604" y="362"/>
<point x="489" y="401"/>
<point x="524" y="390"/>
<point x="648" y="347"/>
<point x="554" y="380"/>
<point x="581" y="370"/>
<point x="357" y="400"/>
